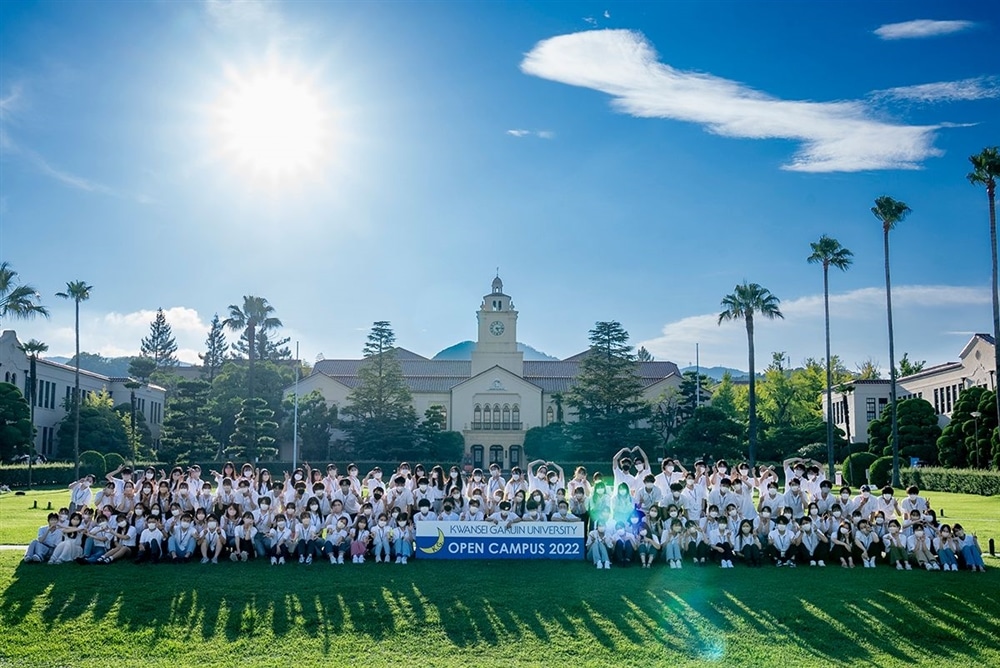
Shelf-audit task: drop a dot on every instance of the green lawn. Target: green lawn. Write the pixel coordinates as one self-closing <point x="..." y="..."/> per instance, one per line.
<point x="492" y="613"/>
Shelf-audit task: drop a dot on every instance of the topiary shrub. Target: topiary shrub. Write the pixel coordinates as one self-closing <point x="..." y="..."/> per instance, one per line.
<point x="856" y="466"/>
<point x="93" y="463"/>
<point x="880" y="472"/>
<point x="113" y="460"/>
<point x="959" y="481"/>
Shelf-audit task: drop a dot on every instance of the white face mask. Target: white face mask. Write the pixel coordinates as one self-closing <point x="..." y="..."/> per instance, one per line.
<point x="453" y="474"/>
<point x="516" y="476"/>
<point x="887" y="497"/>
<point x="782" y="528"/>
<point x="423" y="488"/>
<point x="913" y="497"/>
<point x="138" y="511"/>
<point x="477" y="478"/>
<point x="845" y="497"/>
<point x="122" y="525"/>
<point x="807" y="528"/>
<point x="281" y="525"/>
<point x="794" y="488"/>
<point x="175" y="512"/>
<point x="765" y="515"/>
<point x="837" y="513"/>
<point x="649" y="487"/>
<point x="213" y="525"/>
<point x="185" y="525"/>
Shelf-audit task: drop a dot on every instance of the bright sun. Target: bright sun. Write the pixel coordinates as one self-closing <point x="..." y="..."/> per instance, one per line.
<point x="273" y="124"/>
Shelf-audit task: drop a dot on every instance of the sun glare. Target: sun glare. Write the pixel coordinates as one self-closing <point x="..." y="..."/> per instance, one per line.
<point x="274" y="125"/>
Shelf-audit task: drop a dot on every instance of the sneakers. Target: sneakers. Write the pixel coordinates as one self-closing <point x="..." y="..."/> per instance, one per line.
<point x="680" y="564"/>
<point x="302" y="558"/>
<point x="378" y="559"/>
<point x="281" y="561"/>
<point x="204" y="560"/>
<point x="871" y="562"/>
<point x="790" y="563"/>
<point x="340" y="559"/>
<point x="215" y="560"/>
<point x="907" y="566"/>
<point x="333" y="559"/>
<point x="600" y="565"/>
<point x="607" y="565"/>
<point x="726" y="563"/>
<point x="309" y="559"/>
<point x="404" y="561"/>
<point x="821" y="563"/>
<point x="899" y="565"/>
<point x="244" y="556"/>
<point x="812" y="562"/>
<point x="780" y="563"/>
<point x="274" y="561"/>
<point x="935" y="566"/>
<point x="234" y="557"/>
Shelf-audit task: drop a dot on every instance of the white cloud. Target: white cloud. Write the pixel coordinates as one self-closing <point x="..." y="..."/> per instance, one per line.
<point x="607" y="14"/>
<point x="921" y="28"/>
<point x="836" y="136"/>
<point x="541" y="134"/>
<point x="519" y="133"/>
<point x="976" y="88"/>
<point x="858" y="324"/>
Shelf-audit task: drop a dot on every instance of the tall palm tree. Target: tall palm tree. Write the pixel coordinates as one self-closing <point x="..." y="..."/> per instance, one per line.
<point x="746" y="300"/>
<point x="255" y="314"/>
<point x="17" y="301"/>
<point x="78" y="291"/>
<point x="828" y="252"/>
<point x="985" y="170"/>
<point x="891" y="212"/>
<point x="32" y="349"/>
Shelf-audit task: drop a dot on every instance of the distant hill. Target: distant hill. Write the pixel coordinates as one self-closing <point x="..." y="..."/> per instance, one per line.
<point x="114" y="367"/>
<point x="463" y="351"/>
<point x="716" y="372"/>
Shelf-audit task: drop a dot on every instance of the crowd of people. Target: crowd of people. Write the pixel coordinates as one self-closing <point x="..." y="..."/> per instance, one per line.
<point x="710" y="513"/>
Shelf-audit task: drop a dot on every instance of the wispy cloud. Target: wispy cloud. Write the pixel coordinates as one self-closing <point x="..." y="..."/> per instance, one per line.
<point x="835" y="136"/>
<point x="541" y="134"/>
<point x="976" y="88"/>
<point x="857" y="320"/>
<point x="921" y="28"/>
<point x="243" y="13"/>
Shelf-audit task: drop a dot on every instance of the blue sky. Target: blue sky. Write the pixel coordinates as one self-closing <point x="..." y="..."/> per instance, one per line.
<point x="618" y="162"/>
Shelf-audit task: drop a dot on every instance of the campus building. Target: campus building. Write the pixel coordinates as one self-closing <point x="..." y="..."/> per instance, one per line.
<point x="55" y="386"/>
<point x="495" y="397"/>
<point x="862" y="401"/>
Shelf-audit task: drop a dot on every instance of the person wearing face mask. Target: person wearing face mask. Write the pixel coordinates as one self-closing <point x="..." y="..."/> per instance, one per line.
<point x="863" y="503"/>
<point x="621" y="465"/>
<point x="348" y="498"/>
<point x="780" y="546"/>
<point x="763" y="527"/>
<point x="968" y="545"/>
<point x="918" y="546"/>
<point x="811" y="544"/>
<point x="694" y="497"/>
<point x="516" y="484"/>
<point x="599" y="544"/>
<point x="476" y="482"/>
<point x="495" y="481"/>
<point x="454" y="481"/>
<point x="842" y="547"/>
<point x="49" y="537"/>
<point x="671" y="539"/>
<point x="648" y="495"/>
<point x="721" y="540"/>
<point x="671" y="471"/>
<point x="947" y="548"/>
<point x="125" y="538"/>
<point x="211" y="540"/>
<point x="400" y="496"/>
<point x="246" y="539"/>
<point x="308" y="543"/>
<point x="182" y="541"/>
<point x="914" y="501"/>
<point x="746" y="545"/>
<point x="337" y="543"/>
<point x="866" y="545"/>
<point x="474" y="512"/>
<point x="894" y="546"/>
<point x="150" y="547"/>
<point x="794" y="499"/>
<point x="373" y="480"/>
<point x="824" y="500"/>
<point x="504" y="516"/>
<point x="281" y="536"/>
<point x="425" y="513"/>
<point x="887" y="504"/>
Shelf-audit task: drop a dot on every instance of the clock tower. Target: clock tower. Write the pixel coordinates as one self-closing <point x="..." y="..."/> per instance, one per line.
<point x="497" y="342"/>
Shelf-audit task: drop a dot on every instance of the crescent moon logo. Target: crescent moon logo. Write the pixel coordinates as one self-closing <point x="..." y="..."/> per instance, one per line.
<point x="436" y="546"/>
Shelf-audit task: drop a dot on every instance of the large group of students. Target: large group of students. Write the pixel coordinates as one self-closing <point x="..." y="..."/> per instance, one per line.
<point x="710" y="513"/>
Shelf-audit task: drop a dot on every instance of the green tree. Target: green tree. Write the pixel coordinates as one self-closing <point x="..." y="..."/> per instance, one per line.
<point x="381" y="417"/>
<point x="436" y="442"/>
<point x="747" y="300"/>
<point x="32" y="349"/>
<point x="869" y="370"/>
<point x="78" y="291"/>
<point x="918" y="432"/>
<point x="908" y="368"/>
<point x="17" y="301"/>
<point x="643" y="355"/>
<point x="693" y="384"/>
<point x="665" y="418"/>
<point x="776" y="393"/>
<point x="317" y="421"/>
<point x="230" y="388"/>
<point x="985" y="170"/>
<point x="552" y="443"/>
<point x="16" y="430"/>
<point x="890" y="213"/>
<point x="101" y="427"/>
<point x="724" y="396"/>
<point x="254" y="437"/>
<point x="255" y="314"/>
<point x="607" y="394"/>
<point x="141" y="368"/>
<point x="709" y="433"/>
<point x="189" y="428"/>
<point x="215" y="350"/>
<point x="966" y="437"/>
<point x="160" y="344"/>
<point x="829" y="253"/>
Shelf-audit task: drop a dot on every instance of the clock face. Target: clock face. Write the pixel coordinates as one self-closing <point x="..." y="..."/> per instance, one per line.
<point x="496" y="328"/>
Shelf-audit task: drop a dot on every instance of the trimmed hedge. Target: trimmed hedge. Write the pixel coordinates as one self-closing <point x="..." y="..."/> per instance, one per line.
<point x="856" y="466"/>
<point x="959" y="481"/>
<point x="880" y="472"/>
<point x="93" y="462"/>
<point x="113" y="460"/>
<point x="16" y="475"/>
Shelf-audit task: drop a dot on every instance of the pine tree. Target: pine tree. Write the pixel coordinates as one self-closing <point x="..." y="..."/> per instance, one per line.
<point x="381" y="417"/>
<point x="254" y="438"/>
<point x="215" y="350"/>
<point x="607" y="394"/>
<point x="160" y="344"/>
<point x="188" y="425"/>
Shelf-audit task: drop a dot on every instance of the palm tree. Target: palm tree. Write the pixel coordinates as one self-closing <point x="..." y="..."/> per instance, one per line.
<point x="78" y="291"/>
<point x="255" y="314"/>
<point x="17" y="301"/>
<point x="828" y="252"/>
<point x="32" y="349"/>
<point x="985" y="170"/>
<point x="746" y="300"/>
<point x="891" y="212"/>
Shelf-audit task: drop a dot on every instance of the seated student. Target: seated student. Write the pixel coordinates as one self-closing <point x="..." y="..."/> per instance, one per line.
<point x="457" y="500"/>
<point x="245" y="537"/>
<point x="307" y="539"/>
<point x="211" y="540"/>
<point x="746" y="545"/>
<point x="518" y="505"/>
<point x="448" y="513"/>
<point x="381" y="544"/>
<point x="711" y="520"/>
<point x="228" y="523"/>
<point x="402" y="539"/>
<point x="649" y="546"/>
<point x="721" y="540"/>
<point x="599" y="542"/>
<point x="71" y="545"/>
<point x="866" y="544"/>
<point x="474" y="513"/>
<point x="282" y="537"/>
<point x="533" y="512"/>
<point x="182" y="541"/>
<point x="125" y="542"/>
<point x="49" y="536"/>
<point x="694" y="543"/>
<point x="811" y="543"/>
<point x="671" y="539"/>
<point x="360" y="537"/>
<point x="504" y="517"/>
<point x="732" y="515"/>
<point x="972" y="554"/>
<point x="150" y="546"/>
<point x="919" y="547"/>
<point x="894" y="546"/>
<point x="780" y="545"/>
<point x="842" y="546"/>
<point x="337" y="543"/>
<point x="99" y="538"/>
<point x="424" y="513"/>
<point x="599" y="505"/>
<point x="625" y="543"/>
<point x="946" y="547"/>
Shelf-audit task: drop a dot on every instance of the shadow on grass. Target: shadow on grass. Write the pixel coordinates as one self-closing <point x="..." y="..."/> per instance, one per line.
<point x="702" y="614"/>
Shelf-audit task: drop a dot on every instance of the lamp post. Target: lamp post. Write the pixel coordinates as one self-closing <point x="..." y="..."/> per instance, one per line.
<point x="975" y="416"/>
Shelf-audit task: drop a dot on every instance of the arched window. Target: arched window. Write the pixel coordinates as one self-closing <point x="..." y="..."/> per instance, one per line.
<point x="477" y="456"/>
<point x="515" y="455"/>
<point x="6" y="376"/>
<point x="506" y="416"/>
<point x="496" y="416"/>
<point x="477" y="417"/>
<point x="516" y="417"/>
<point x="550" y="415"/>
<point x="496" y="455"/>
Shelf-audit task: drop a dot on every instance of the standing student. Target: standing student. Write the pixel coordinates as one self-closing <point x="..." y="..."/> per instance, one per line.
<point x="49" y="536"/>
